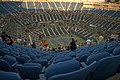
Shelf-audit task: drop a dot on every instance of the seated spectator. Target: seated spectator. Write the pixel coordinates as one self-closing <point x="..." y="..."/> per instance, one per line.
<point x="112" y="37"/>
<point x="118" y="36"/>
<point x="59" y="48"/>
<point x="3" y="36"/>
<point x="8" y="40"/>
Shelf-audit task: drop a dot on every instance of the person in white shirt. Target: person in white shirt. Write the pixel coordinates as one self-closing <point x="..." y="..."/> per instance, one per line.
<point x="116" y="37"/>
<point x="100" y="39"/>
<point x="19" y="40"/>
<point x="88" y="42"/>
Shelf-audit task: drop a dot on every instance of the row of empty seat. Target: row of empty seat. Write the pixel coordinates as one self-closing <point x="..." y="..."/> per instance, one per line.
<point x="105" y="24"/>
<point x="111" y="13"/>
<point x="15" y="7"/>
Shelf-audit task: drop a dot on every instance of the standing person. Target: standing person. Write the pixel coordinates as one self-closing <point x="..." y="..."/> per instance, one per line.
<point x="73" y="45"/>
<point x="3" y="36"/>
<point x="44" y="43"/>
<point x="33" y="44"/>
<point x="94" y="40"/>
<point x="100" y="39"/>
<point x="88" y="42"/>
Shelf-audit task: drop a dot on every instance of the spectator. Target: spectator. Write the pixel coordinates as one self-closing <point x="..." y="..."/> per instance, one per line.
<point x="88" y="42"/>
<point x="24" y="42"/>
<point x="59" y="48"/>
<point x="44" y="43"/>
<point x="33" y="44"/>
<point x="100" y="39"/>
<point x="73" y="45"/>
<point x="118" y="36"/>
<point x="112" y="37"/>
<point x="3" y="36"/>
<point x="8" y="40"/>
<point x="94" y="41"/>
<point x="19" y="40"/>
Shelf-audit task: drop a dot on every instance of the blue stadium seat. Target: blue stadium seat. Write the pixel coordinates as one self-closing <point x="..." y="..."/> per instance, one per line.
<point x="96" y="57"/>
<point x="116" y="51"/>
<point x="48" y="57"/>
<point x="29" y="72"/>
<point x="43" y="62"/>
<point x="82" y="53"/>
<point x="21" y="60"/>
<point x="3" y="11"/>
<point x="72" y="54"/>
<point x="63" y="59"/>
<point x="9" y="76"/>
<point x="59" y="56"/>
<point x="83" y="57"/>
<point x="5" y="66"/>
<point x="82" y="74"/>
<point x="110" y="50"/>
<point x="34" y="64"/>
<point x="32" y="56"/>
<point x="117" y="14"/>
<point x="2" y="52"/>
<point x="106" y="67"/>
<point x="26" y="57"/>
<point x="98" y="50"/>
<point x="10" y="59"/>
<point x="62" y="67"/>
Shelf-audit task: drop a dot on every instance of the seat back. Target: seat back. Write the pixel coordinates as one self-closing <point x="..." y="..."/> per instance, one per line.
<point x="116" y="51"/>
<point x="34" y="64"/>
<point x="83" y="74"/>
<point x="84" y="57"/>
<point x="96" y="57"/>
<point x="2" y="52"/>
<point x="4" y="65"/>
<point x="9" y="76"/>
<point x="82" y="53"/>
<point x="29" y="72"/>
<point x="63" y="59"/>
<point x="62" y="67"/>
<point x="106" y="67"/>
<point x="10" y="59"/>
<point x="25" y="56"/>
<point x="43" y="62"/>
<point x="98" y="50"/>
<point x="21" y="60"/>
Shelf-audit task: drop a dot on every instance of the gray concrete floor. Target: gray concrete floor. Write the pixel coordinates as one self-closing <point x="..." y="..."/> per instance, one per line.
<point x="115" y="77"/>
